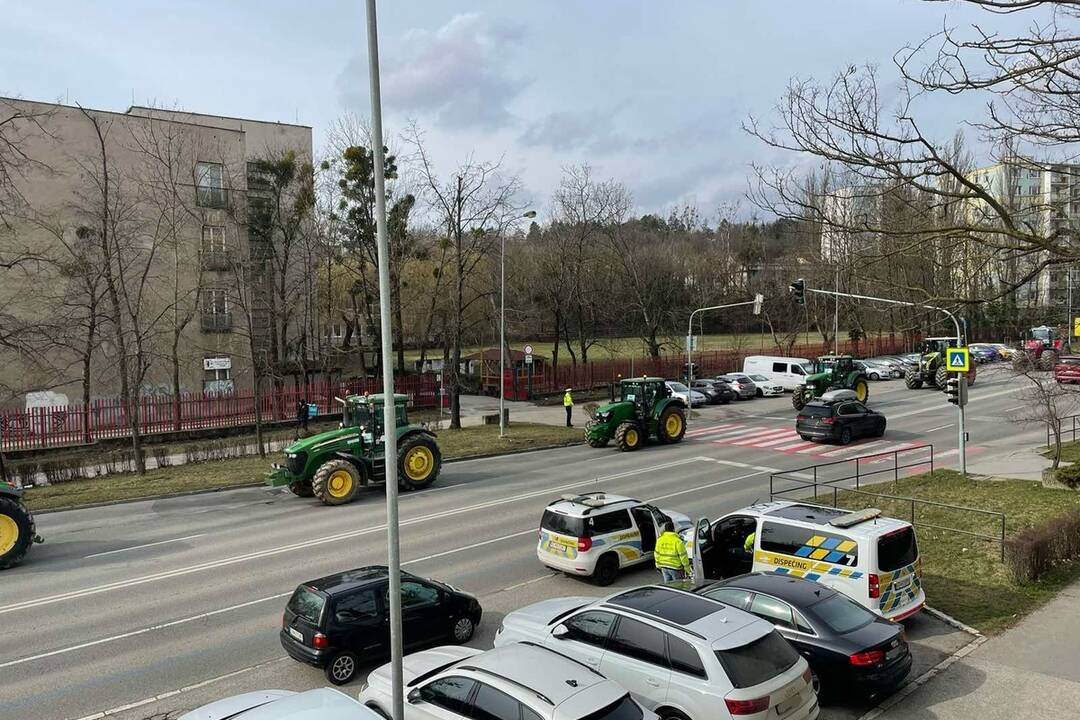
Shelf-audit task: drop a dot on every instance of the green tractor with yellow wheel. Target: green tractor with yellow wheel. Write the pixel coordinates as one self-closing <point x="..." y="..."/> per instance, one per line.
<point x="832" y="372"/>
<point x="17" y="531"/>
<point x="645" y="411"/>
<point x="931" y="371"/>
<point x="335" y="465"/>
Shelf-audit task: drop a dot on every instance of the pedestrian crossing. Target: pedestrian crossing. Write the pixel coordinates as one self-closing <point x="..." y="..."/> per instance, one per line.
<point x="787" y="441"/>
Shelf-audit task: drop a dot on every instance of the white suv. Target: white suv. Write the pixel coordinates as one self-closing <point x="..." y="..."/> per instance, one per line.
<point x="597" y="534"/>
<point x="680" y="655"/>
<point x="522" y="681"/>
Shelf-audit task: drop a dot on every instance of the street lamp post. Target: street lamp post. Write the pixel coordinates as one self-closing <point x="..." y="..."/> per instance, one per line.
<point x="502" y="330"/>
<point x="756" y="302"/>
<point x="389" y="407"/>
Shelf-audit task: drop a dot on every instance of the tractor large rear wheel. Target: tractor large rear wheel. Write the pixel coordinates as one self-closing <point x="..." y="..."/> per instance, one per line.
<point x="1048" y="360"/>
<point x="336" y="482"/>
<point x="798" y="398"/>
<point x="941" y="377"/>
<point x="419" y="462"/>
<point x="913" y="380"/>
<point x="1021" y="361"/>
<point x="16" y="532"/>
<point x="862" y="390"/>
<point x="672" y="425"/>
<point x="628" y="437"/>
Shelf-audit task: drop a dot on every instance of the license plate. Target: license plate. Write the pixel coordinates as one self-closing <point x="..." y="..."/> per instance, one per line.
<point x="296" y="634"/>
<point x="903" y="584"/>
<point x="785" y="707"/>
<point x="894" y="653"/>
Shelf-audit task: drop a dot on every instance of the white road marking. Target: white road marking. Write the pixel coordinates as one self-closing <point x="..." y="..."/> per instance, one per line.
<point x="932" y="408"/>
<point x="710" y="429"/>
<point x="139" y="547"/>
<point x="852" y="448"/>
<point x="770" y="435"/>
<point x="943" y="427"/>
<point x="727" y="437"/>
<point x="801" y="444"/>
<point x="269" y="552"/>
<point x="788" y="437"/>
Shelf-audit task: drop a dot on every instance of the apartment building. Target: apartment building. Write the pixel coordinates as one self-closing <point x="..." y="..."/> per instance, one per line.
<point x="181" y="189"/>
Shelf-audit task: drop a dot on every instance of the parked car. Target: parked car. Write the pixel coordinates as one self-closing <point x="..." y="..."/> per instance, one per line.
<point x="788" y="371"/>
<point x="692" y="398"/>
<point x="839" y="420"/>
<point x="847" y="646"/>
<point x="1004" y="351"/>
<point x="1067" y="369"/>
<point x="597" y="534"/>
<point x="323" y="703"/>
<point x="898" y="362"/>
<point x="742" y="384"/>
<point x="515" y="682"/>
<point x="339" y="620"/>
<point x="679" y="654"/>
<point x="983" y="353"/>
<point x="764" y="387"/>
<point x="713" y="391"/>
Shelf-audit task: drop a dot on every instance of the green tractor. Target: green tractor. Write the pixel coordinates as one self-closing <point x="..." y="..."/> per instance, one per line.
<point x="932" y="370"/>
<point x="645" y="410"/>
<point x="334" y="465"/>
<point x="17" y="532"/>
<point x="831" y="372"/>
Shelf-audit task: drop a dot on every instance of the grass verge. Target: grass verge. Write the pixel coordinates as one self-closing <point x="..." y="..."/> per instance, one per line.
<point x="1070" y="451"/>
<point x="962" y="575"/>
<point x="467" y="442"/>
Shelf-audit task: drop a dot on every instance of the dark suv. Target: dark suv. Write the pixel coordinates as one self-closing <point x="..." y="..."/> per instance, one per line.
<point x="840" y="420"/>
<point x="336" y="621"/>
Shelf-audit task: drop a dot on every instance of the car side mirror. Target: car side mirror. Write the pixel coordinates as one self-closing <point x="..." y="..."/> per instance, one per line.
<point x="414" y="696"/>
<point x="560" y="631"/>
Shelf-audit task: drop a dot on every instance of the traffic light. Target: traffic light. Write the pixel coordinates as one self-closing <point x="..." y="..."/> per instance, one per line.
<point x="798" y="291"/>
<point x="956" y="390"/>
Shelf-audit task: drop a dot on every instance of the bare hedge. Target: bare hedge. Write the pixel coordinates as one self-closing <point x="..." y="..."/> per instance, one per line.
<point x="1032" y="553"/>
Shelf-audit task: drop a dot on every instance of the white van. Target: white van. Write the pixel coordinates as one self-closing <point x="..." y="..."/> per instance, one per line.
<point x="874" y="560"/>
<point x="786" y="371"/>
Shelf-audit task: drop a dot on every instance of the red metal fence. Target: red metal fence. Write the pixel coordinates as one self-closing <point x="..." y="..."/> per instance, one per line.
<point x="595" y="374"/>
<point x="45" y="427"/>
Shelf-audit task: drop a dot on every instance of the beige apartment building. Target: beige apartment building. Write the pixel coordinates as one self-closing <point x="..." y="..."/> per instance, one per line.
<point x="180" y="186"/>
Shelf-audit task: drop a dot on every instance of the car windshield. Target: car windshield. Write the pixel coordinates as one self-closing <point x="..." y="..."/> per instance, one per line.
<point x="759" y="378"/>
<point x="807" y="368"/>
<point x="759" y="661"/>
<point x="307" y="604"/>
<point x="841" y="614"/>
<point x="563" y="524"/>
<point x="677" y="387"/>
<point x="622" y="709"/>
<point x="897" y="549"/>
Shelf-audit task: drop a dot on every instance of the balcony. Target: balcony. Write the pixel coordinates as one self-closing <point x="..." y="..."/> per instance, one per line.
<point x="212" y="197"/>
<point x="216" y="322"/>
<point x="216" y="259"/>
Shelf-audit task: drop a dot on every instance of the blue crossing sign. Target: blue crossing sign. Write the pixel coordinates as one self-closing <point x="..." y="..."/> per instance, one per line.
<point x="957" y="360"/>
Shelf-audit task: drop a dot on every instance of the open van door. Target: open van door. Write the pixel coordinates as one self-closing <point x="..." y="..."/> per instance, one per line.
<point x="702" y="541"/>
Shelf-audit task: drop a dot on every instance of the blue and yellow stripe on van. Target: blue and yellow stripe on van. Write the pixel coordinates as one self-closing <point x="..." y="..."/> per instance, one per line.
<point x="829" y="548"/>
<point x="899" y="588"/>
<point x="800" y="568"/>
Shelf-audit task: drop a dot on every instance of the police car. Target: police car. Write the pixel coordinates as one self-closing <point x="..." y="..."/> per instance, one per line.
<point x="872" y="559"/>
<point x="597" y="534"/>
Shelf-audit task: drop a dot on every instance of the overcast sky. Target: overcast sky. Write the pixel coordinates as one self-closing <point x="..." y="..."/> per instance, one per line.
<point x="650" y="92"/>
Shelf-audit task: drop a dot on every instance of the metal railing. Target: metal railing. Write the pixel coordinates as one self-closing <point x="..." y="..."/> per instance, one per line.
<point x="823" y="481"/>
<point x="1069" y="426"/>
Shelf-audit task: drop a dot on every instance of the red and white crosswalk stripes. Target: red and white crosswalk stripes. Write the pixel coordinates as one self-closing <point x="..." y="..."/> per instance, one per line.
<point x="786" y="440"/>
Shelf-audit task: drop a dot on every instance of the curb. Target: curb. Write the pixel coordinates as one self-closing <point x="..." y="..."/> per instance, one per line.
<point x="913" y="685"/>
<point x="239" y="486"/>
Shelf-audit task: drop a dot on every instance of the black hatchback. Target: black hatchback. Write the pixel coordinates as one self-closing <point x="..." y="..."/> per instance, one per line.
<point x="847" y="646"/>
<point x="338" y="621"/>
<point x="839" y="420"/>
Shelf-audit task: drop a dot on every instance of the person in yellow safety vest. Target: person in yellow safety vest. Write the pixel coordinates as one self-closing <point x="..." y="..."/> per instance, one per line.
<point x="748" y="544"/>
<point x="568" y="403"/>
<point x="670" y="555"/>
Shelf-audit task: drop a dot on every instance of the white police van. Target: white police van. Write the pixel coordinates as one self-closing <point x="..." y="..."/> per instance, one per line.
<point x="874" y="560"/>
<point x="597" y="534"/>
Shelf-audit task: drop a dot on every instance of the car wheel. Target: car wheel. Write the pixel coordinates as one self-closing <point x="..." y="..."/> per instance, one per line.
<point x="607" y="569"/>
<point x="875" y="376"/>
<point x="805" y="437"/>
<point x="845" y="436"/>
<point x="759" y="393"/>
<point x="342" y="667"/>
<point x="463" y="630"/>
<point x="815" y="682"/>
<point x="377" y="710"/>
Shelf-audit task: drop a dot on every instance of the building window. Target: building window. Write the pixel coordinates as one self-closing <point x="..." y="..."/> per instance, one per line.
<point x="215" y="316"/>
<point x="210" y="185"/>
<point x="213" y="238"/>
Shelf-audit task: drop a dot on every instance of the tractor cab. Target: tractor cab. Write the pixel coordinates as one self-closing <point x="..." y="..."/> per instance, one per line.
<point x="1044" y="336"/>
<point x="643" y="392"/>
<point x="644" y="411"/>
<point x="835" y="364"/>
<point x="366" y="413"/>
<point x="937" y="345"/>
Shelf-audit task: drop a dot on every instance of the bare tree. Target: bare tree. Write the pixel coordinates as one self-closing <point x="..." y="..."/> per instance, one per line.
<point x="1045" y="401"/>
<point x="474" y="205"/>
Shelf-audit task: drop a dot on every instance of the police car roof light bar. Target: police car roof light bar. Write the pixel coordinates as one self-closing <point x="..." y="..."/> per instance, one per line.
<point x="851" y="519"/>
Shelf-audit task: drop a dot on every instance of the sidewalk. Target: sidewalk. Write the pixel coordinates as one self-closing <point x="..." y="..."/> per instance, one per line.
<point x="1028" y="671"/>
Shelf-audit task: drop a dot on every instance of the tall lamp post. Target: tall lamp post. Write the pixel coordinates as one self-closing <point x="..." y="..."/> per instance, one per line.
<point x="502" y="329"/>
<point x="389" y="406"/>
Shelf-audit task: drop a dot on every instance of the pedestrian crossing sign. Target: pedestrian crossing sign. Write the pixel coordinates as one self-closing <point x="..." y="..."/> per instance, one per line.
<point x="957" y="360"/>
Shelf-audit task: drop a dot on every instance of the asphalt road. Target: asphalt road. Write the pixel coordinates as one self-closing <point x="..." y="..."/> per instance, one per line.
<point x="135" y="601"/>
